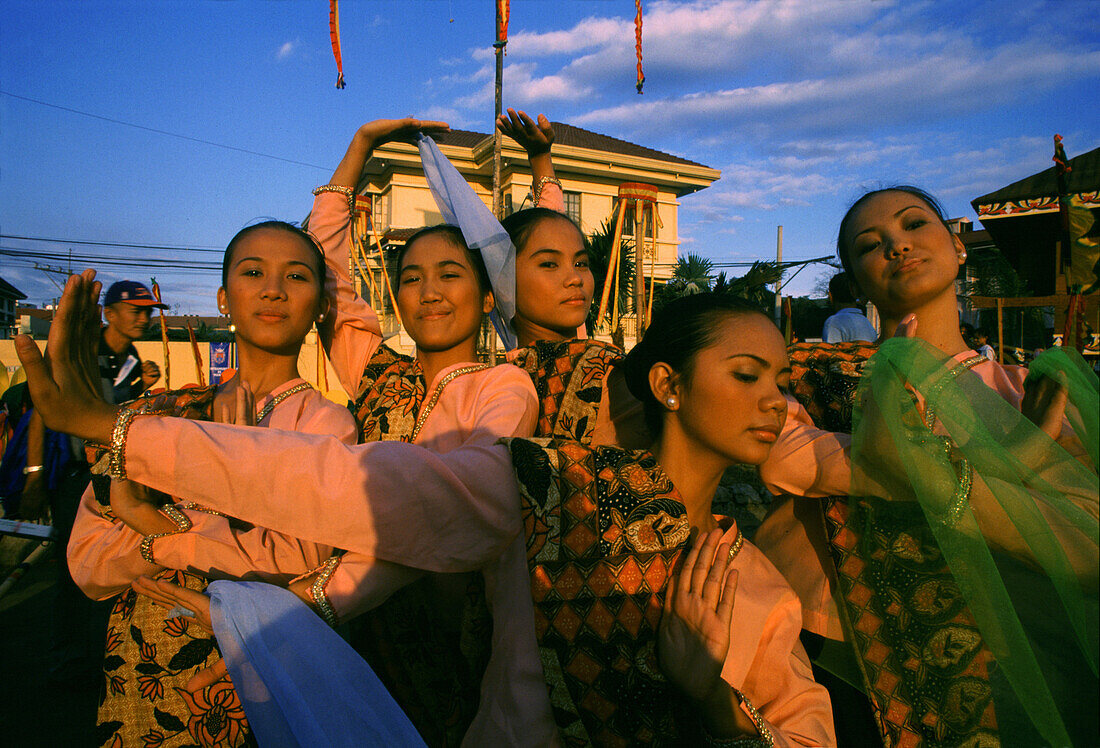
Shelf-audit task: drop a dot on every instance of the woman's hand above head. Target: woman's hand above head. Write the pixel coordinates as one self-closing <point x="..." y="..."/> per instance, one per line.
<point x="64" y="385"/>
<point x="399" y="130"/>
<point x="536" y="136"/>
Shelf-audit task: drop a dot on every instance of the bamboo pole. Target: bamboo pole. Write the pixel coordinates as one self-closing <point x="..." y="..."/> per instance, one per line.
<point x="612" y="262"/>
<point x="779" y="282"/>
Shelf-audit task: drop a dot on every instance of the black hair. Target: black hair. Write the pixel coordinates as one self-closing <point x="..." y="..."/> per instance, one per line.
<point x="679" y="330"/>
<point x="520" y="224"/>
<point x="305" y="236"/>
<point x="840" y="288"/>
<point x="454" y="234"/>
<point x="917" y="192"/>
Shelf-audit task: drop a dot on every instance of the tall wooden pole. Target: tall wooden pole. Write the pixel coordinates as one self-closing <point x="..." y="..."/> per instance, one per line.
<point x="779" y="281"/>
<point x="498" y="206"/>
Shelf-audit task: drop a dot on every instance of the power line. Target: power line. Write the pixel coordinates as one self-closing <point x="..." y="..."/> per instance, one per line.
<point x="112" y="244"/>
<point x="164" y="132"/>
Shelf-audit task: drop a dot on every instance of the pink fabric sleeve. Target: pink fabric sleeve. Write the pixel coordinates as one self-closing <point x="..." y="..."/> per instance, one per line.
<point x="806" y="461"/>
<point x="351" y="332"/>
<point x="551" y="197"/>
<point x="774" y="674"/>
<point x="396" y="501"/>
<point x="218" y="548"/>
<point x="104" y="555"/>
<point x="508" y="407"/>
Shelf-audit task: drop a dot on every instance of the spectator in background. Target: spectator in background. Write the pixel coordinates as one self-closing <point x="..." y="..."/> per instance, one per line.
<point x="848" y="323"/>
<point x="982" y="346"/>
<point x="127" y="307"/>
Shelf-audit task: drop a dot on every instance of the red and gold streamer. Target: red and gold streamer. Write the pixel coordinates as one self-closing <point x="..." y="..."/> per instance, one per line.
<point x="638" y="43"/>
<point x="503" y="11"/>
<point x="334" y="34"/>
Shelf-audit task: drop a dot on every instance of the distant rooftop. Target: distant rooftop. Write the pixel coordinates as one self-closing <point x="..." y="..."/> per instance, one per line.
<point x="8" y="291"/>
<point x="571" y="135"/>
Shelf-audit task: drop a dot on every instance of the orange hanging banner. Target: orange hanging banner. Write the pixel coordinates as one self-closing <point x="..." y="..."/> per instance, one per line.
<point x="334" y="34"/>
<point x="503" y="10"/>
<point x="638" y="42"/>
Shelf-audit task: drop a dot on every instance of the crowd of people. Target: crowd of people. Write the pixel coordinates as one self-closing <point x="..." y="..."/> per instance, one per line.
<point x="528" y="554"/>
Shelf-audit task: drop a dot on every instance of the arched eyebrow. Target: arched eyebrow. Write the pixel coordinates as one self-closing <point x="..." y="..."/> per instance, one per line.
<point x="440" y="264"/>
<point x="758" y="359"/>
<point x="896" y="215"/>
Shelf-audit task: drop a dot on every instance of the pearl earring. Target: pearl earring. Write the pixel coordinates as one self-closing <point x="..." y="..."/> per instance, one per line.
<point x="671" y="402"/>
<point x="962" y="256"/>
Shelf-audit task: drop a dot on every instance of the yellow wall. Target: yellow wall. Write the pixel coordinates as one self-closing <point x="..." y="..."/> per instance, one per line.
<point x="183" y="363"/>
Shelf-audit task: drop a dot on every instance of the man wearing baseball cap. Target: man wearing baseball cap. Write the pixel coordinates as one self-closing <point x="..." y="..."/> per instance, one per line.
<point x="80" y="624"/>
<point x="127" y="307"/>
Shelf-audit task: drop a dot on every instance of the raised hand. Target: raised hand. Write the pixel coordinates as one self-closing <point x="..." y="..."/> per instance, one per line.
<point x="65" y="385"/>
<point x="535" y="136"/>
<point x="694" y="634"/>
<point x="241" y="410"/>
<point x="400" y="130"/>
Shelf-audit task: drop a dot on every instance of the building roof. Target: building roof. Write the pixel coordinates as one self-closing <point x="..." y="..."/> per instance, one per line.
<point x="9" y="291"/>
<point x="576" y="137"/>
<point x="1085" y="178"/>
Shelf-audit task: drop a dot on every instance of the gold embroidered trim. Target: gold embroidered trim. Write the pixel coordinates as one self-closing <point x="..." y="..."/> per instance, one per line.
<point x="340" y="189"/>
<point x="183" y="524"/>
<point x="766" y="738"/>
<point x="437" y="392"/>
<point x="318" y="595"/>
<point x="200" y="508"/>
<point x="279" y="398"/>
<point x="736" y="547"/>
<point x="960" y="499"/>
<point x="116" y="457"/>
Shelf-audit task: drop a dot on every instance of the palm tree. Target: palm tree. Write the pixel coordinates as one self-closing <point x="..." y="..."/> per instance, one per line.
<point x="691" y="275"/>
<point x="753" y="285"/>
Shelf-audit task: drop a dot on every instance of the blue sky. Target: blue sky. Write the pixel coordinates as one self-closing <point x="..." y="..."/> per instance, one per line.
<point x="800" y="103"/>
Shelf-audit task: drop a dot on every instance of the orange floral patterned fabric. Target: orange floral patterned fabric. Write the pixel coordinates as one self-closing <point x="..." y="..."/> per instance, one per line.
<point x="149" y="660"/>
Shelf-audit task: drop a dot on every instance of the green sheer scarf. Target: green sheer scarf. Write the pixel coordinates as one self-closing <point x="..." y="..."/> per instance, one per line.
<point x="928" y="430"/>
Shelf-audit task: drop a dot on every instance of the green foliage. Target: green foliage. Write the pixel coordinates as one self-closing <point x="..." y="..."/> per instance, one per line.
<point x="693" y="274"/>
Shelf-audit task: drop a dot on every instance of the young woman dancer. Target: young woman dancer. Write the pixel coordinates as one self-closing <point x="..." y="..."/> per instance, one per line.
<point x="273" y="291"/>
<point x="893" y="579"/>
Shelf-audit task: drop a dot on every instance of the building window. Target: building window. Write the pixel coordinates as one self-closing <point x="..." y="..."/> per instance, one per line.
<point x="628" y="220"/>
<point x="573" y="206"/>
<point x="380" y="206"/>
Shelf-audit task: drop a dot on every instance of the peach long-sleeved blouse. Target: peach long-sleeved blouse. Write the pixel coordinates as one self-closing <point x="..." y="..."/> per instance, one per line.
<point x="104" y="554"/>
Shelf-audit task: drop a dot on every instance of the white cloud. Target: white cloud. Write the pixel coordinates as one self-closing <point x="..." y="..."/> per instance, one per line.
<point x="288" y="49"/>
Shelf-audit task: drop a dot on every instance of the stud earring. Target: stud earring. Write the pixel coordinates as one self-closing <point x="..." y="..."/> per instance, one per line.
<point x="962" y="256"/>
<point x="320" y="318"/>
<point x="671" y="402"/>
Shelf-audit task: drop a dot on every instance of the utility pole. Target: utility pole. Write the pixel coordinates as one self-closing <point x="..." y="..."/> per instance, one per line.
<point x="779" y="281"/>
<point x="502" y="40"/>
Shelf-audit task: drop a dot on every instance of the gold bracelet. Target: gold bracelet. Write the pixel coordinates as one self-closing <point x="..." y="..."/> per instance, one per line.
<point x="116" y="457"/>
<point x="183" y="524"/>
<point x="317" y="592"/>
<point x="536" y="193"/>
<point x="344" y="190"/>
